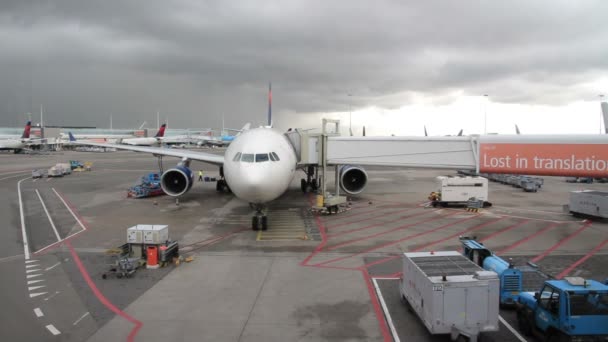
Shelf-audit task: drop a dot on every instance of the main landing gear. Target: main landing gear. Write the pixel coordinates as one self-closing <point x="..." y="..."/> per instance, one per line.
<point x="311" y="183"/>
<point x="222" y="185"/>
<point x="259" y="221"/>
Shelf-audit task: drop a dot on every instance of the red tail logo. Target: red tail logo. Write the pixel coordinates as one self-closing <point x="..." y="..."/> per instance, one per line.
<point x="161" y="131"/>
<point x="26" y="131"/>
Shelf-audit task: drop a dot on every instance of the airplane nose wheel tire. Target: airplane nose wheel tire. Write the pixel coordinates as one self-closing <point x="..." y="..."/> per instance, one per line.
<point x="259" y="222"/>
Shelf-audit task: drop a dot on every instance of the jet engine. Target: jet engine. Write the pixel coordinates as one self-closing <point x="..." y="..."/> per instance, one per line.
<point x="352" y="179"/>
<point x="177" y="181"/>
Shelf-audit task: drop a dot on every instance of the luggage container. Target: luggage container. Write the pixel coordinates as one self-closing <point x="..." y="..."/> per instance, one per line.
<point x="588" y="203"/>
<point x="459" y="190"/>
<point x="450" y="294"/>
<point x="148" y="234"/>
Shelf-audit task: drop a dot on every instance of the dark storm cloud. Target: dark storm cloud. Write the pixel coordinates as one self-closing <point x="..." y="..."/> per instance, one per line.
<point x="195" y="60"/>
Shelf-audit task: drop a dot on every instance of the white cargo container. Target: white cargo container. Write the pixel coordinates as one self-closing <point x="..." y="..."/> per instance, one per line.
<point x="451" y="294"/>
<point x="461" y="189"/>
<point x="148" y="234"/>
<point x="589" y="203"/>
<point x="65" y="167"/>
<point x="55" y="171"/>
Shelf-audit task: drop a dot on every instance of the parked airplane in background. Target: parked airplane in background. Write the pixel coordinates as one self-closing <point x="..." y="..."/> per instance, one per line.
<point x="222" y="140"/>
<point x="147" y="141"/>
<point x="16" y="144"/>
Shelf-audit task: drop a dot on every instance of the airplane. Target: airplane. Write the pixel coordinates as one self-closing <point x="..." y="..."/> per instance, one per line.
<point x="220" y="141"/>
<point x="458" y="135"/>
<point x="17" y="145"/>
<point x="147" y="141"/>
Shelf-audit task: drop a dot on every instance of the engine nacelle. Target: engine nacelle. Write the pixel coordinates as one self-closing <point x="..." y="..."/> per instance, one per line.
<point x="177" y="181"/>
<point x="352" y="179"/>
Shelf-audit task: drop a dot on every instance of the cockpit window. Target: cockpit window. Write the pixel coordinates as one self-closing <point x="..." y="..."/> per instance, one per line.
<point x="237" y="157"/>
<point x="276" y="157"/>
<point x="248" y="158"/>
<point x="261" y="157"/>
<point x="271" y="157"/>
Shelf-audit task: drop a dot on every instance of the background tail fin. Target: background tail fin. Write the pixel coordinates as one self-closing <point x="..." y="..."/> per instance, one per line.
<point x="26" y="130"/>
<point x="517" y="130"/>
<point x="269" y="104"/>
<point x="605" y="114"/>
<point x="161" y="131"/>
<point x="72" y="139"/>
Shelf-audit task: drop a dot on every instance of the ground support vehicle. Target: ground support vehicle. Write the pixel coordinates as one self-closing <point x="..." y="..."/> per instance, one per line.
<point x="450" y="294"/>
<point x="569" y="310"/>
<point x="149" y="186"/>
<point x="37" y="173"/>
<point x="513" y="279"/>
<point x="459" y="190"/>
<point x="588" y="203"/>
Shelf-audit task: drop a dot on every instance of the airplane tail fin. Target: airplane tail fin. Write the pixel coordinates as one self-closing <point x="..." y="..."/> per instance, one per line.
<point x="26" y="130"/>
<point x="246" y="127"/>
<point x="425" y="133"/>
<point x="161" y="131"/>
<point x="460" y="133"/>
<point x="605" y="114"/>
<point x="72" y="139"/>
<point x="517" y="130"/>
<point x="363" y="130"/>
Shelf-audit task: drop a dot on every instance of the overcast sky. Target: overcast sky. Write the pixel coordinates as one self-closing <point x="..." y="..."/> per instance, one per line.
<point x="405" y="64"/>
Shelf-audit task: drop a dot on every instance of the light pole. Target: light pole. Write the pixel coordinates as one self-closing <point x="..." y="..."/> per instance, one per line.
<point x="485" y="114"/>
<point x="350" y="114"/>
<point x="601" y="96"/>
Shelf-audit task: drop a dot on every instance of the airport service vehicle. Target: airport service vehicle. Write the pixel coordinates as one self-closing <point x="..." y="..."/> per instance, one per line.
<point x="459" y="190"/>
<point x="36" y="173"/>
<point x="56" y="171"/>
<point x="450" y="294"/>
<point x="569" y="310"/>
<point x="588" y="203"/>
<point x="145" y="141"/>
<point x="513" y="279"/>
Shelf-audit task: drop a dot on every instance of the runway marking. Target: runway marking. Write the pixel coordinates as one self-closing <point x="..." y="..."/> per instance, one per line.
<point x="30" y="266"/>
<point x="38" y="312"/>
<point x="30" y="282"/>
<point x="26" y="249"/>
<point x="32" y="275"/>
<point x="30" y="261"/>
<point x="527" y="238"/>
<point x="51" y="296"/>
<point x="386" y="312"/>
<point x="344" y="232"/>
<point x="561" y="242"/>
<point x="32" y="295"/>
<point x="31" y="288"/>
<point x="53" y="330"/>
<point x="30" y="271"/>
<point x="50" y="268"/>
<point x="515" y="333"/>
<point x="69" y="209"/>
<point x="20" y="175"/>
<point x="49" y="216"/>
<point x="581" y="260"/>
<point x="81" y="318"/>
<point x="13" y="172"/>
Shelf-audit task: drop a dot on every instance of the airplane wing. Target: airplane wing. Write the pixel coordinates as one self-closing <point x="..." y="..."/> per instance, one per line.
<point x="192" y="155"/>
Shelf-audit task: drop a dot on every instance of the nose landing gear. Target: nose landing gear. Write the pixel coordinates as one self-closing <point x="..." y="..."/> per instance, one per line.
<point x="311" y="183"/>
<point x="259" y="221"/>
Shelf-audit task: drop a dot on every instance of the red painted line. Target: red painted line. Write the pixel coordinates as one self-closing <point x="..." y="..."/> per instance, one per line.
<point x="101" y="297"/>
<point x="348" y="242"/>
<point x="581" y="260"/>
<point x="371" y="218"/>
<point x="329" y="220"/>
<point x="376" y="305"/>
<point x="344" y="232"/>
<point x="479" y="226"/>
<point x="398" y="241"/>
<point x="561" y="242"/>
<point x="381" y="261"/>
<point x="503" y="230"/>
<point x="527" y="238"/>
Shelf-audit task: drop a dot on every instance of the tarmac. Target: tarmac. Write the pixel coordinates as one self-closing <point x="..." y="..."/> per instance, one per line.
<point x="308" y="278"/>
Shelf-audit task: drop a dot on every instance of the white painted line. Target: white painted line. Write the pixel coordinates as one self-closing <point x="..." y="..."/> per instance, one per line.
<point x="13" y="172"/>
<point x="21" y="175"/>
<point x="69" y="209"/>
<point x="49" y="216"/>
<point x="34" y="270"/>
<point x="32" y="275"/>
<point x="519" y="337"/>
<point x="81" y="317"/>
<point x="53" y="330"/>
<point x="38" y="312"/>
<point x="32" y="288"/>
<point x="26" y="249"/>
<point x="32" y="295"/>
<point x="51" y="296"/>
<point x="389" y="320"/>
<point x="30" y="282"/>
<point x="30" y="266"/>
<point x="50" y="268"/>
<point x="30" y="261"/>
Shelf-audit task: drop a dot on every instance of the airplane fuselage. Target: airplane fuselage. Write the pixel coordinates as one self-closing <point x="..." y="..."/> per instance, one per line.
<point x="252" y="170"/>
<point x="11" y="144"/>
<point x="141" y="141"/>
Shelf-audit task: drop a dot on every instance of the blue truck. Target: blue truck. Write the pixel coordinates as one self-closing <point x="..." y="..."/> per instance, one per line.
<point x="569" y="310"/>
<point x="513" y="279"/>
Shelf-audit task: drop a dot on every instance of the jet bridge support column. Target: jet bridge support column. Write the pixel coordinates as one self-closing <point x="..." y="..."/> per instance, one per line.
<point x="330" y="201"/>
